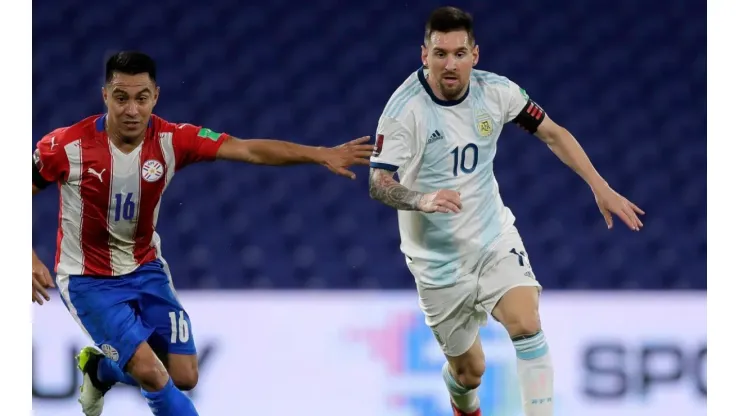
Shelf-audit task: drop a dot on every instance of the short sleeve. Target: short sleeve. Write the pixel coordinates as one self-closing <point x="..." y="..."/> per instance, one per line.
<point x="518" y="99"/>
<point x="50" y="162"/>
<point x="393" y="145"/>
<point x="194" y="144"/>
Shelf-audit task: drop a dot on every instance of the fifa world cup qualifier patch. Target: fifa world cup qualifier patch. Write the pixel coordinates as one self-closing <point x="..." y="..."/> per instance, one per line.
<point x="378" y="145"/>
<point x="209" y="134"/>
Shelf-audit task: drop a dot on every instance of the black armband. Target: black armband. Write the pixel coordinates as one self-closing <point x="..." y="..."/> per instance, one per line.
<point x="530" y="117"/>
<point x="37" y="179"/>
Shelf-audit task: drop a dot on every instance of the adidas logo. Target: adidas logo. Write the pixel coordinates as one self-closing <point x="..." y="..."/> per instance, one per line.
<point x="435" y="136"/>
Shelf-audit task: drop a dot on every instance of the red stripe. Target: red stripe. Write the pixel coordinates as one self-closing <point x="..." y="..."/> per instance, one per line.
<point x="96" y="197"/>
<point x="150" y="193"/>
<point x="539" y="114"/>
<point x="531" y="107"/>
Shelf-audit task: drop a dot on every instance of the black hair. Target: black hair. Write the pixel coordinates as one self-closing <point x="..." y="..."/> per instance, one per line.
<point x="130" y="63"/>
<point x="449" y="19"/>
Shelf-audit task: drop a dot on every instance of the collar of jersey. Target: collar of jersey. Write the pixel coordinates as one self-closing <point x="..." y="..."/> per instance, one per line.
<point x="428" y="89"/>
<point x="100" y="123"/>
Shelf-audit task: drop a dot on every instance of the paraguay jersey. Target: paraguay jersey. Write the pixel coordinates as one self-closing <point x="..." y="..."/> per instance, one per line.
<point x="435" y="144"/>
<point x="109" y="200"/>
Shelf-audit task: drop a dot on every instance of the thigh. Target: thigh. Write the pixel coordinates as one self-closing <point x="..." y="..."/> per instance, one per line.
<point x="161" y="309"/>
<point x="105" y="309"/>
<point x="450" y="313"/>
<point x="504" y="268"/>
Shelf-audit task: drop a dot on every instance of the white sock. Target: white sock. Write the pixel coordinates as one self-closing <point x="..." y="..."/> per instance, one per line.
<point x="464" y="398"/>
<point x="535" y="374"/>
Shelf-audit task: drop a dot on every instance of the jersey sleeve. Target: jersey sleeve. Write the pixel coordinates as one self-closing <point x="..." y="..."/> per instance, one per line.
<point x="394" y="145"/>
<point x="50" y="164"/>
<point x="522" y="110"/>
<point x="194" y="144"/>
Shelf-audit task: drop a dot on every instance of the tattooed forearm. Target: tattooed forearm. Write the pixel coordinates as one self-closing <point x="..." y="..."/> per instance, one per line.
<point x="386" y="190"/>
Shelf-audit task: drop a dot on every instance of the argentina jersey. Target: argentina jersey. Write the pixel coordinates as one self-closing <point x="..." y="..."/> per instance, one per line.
<point x="433" y="145"/>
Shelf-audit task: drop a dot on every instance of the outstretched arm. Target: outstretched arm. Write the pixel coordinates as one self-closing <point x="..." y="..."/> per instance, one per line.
<point x="278" y="152"/>
<point x="570" y="152"/>
<point x="194" y="144"/>
<point x="527" y="114"/>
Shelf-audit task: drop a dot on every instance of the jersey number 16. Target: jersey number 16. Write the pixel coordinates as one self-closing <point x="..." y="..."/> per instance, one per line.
<point x="461" y="158"/>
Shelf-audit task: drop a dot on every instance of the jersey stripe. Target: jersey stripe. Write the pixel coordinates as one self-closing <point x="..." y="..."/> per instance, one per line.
<point x="404" y="100"/>
<point x="402" y="91"/>
<point x="124" y="210"/>
<point x="70" y="258"/>
<point x="149" y="200"/>
<point x="96" y="195"/>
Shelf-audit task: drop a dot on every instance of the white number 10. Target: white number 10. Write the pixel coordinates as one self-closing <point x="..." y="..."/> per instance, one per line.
<point x="179" y="328"/>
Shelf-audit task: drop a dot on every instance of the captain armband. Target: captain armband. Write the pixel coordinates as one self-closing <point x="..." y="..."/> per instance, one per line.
<point x="530" y="117"/>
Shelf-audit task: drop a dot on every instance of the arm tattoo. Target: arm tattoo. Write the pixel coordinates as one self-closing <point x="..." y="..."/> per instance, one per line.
<point x="386" y="190"/>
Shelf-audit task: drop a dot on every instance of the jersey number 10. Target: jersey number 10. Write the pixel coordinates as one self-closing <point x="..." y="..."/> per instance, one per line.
<point x="461" y="156"/>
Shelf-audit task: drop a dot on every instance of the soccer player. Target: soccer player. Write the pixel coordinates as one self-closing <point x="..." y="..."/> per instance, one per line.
<point x="111" y="170"/>
<point x="438" y="132"/>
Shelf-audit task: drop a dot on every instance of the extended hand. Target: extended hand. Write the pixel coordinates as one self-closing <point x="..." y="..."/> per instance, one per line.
<point x="610" y="202"/>
<point x="338" y="159"/>
<point x="41" y="280"/>
<point x="443" y="201"/>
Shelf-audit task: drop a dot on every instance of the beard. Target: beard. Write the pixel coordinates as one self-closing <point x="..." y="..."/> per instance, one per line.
<point x="453" y="92"/>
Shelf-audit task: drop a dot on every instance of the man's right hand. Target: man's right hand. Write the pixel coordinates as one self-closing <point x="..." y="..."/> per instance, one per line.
<point x="444" y="201"/>
<point x="41" y="281"/>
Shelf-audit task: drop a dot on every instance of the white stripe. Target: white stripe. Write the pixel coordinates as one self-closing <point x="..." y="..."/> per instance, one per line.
<point x="63" y="285"/>
<point x="71" y="258"/>
<point x="168" y="150"/>
<point x="123" y="212"/>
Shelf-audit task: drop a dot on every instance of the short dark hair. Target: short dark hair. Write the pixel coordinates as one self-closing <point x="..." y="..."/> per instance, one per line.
<point x="449" y="19"/>
<point x="130" y="63"/>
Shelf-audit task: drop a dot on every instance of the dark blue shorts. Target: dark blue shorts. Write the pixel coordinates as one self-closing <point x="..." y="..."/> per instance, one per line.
<point x="121" y="313"/>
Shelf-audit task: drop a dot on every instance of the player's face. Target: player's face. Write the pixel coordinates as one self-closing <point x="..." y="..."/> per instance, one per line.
<point x="130" y="100"/>
<point x="450" y="58"/>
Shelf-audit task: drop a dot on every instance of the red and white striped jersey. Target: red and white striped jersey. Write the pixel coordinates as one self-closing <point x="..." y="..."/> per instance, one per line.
<point x="109" y="200"/>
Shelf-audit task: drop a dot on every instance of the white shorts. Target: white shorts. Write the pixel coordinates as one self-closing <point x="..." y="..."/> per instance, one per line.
<point x="456" y="312"/>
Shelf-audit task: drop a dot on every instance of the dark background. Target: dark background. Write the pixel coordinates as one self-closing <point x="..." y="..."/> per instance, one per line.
<point x="626" y="78"/>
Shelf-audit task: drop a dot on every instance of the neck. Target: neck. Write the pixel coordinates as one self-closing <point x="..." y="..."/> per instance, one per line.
<point x="121" y="142"/>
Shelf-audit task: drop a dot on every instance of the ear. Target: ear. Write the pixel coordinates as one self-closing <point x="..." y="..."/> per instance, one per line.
<point x="424" y="56"/>
<point x="104" y="93"/>
<point x="476" y="55"/>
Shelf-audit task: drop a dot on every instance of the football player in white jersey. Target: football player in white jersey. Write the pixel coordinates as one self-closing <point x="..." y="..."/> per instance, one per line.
<point x="438" y="132"/>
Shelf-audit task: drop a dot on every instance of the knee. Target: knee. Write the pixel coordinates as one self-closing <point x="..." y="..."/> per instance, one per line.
<point x="184" y="372"/>
<point x="523" y="324"/>
<point x="148" y="371"/>
<point x="185" y="380"/>
<point x="470" y="373"/>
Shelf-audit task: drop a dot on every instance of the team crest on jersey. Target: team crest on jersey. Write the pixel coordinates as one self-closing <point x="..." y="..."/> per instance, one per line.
<point x="484" y="124"/>
<point x="109" y="352"/>
<point x="152" y="170"/>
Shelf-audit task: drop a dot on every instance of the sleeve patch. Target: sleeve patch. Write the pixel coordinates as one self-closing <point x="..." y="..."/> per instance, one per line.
<point x="209" y="134"/>
<point x="378" y="145"/>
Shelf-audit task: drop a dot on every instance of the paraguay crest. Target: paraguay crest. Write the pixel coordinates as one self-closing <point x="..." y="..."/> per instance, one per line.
<point x="484" y="123"/>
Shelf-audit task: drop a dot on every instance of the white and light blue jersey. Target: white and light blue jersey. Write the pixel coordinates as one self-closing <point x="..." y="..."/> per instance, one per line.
<point x="434" y="145"/>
